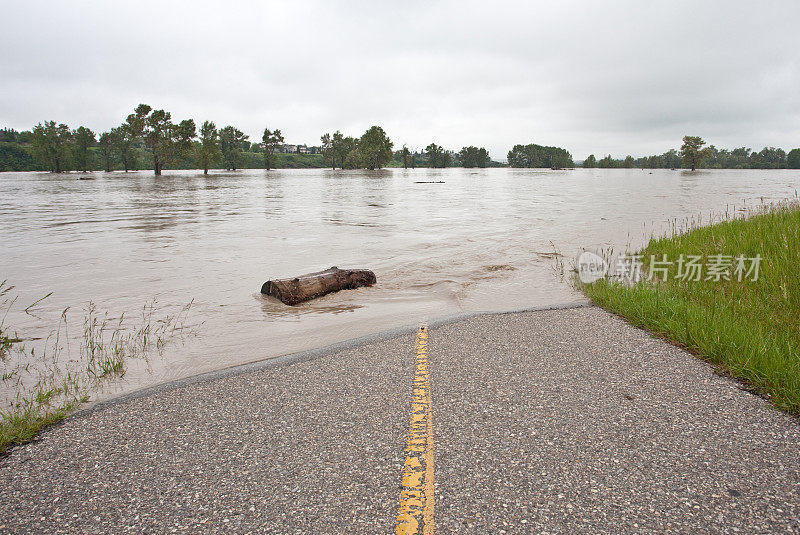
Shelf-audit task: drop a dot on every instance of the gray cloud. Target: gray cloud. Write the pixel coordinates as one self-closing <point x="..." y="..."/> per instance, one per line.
<point x="610" y="77"/>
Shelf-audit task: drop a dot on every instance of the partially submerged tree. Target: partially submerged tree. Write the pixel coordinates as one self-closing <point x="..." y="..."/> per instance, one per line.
<point x="231" y="141"/>
<point x="208" y="152"/>
<point x="607" y="162"/>
<point x="328" y="154"/>
<point x="335" y="149"/>
<point x="437" y="157"/>
<point x="348" y="153"/>
<point x="406" y="153"/>
<point x="125" y="138"/>
<point x="270" y="141"/>
<point x="375" y="148"/>
<point x="106" y="147"/>
<point x="533" y="155"/>
<point x="166" y="141"/>
<point x="793" y="159"/>
<point x="474" y="157"/>
<point x="692" y="151"/>
<point x="84" y="138"/>
<point x="51" y="145"/>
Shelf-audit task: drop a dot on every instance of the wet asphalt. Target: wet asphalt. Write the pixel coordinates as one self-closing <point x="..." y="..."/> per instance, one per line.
<point x="556" y="421"/>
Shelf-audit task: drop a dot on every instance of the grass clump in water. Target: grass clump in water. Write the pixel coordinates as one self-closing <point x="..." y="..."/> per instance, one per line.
<point x="42" y="388"/>
<point x="751" y="328"/>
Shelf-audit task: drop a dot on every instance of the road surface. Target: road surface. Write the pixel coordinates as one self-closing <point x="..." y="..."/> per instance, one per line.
<point x="551" y="421"/>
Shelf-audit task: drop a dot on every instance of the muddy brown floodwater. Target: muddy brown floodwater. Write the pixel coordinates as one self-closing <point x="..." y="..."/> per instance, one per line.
<point x="440" y="241"/>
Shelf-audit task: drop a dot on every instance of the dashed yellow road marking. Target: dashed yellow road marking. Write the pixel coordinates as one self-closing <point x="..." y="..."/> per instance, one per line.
<point x="416" y="494"/>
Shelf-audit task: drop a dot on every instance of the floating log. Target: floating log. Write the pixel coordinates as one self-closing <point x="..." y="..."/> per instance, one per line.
<point x="311" y="285"/>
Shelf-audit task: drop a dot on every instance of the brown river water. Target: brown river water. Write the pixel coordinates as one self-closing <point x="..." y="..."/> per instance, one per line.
<point x="440" y="241"/>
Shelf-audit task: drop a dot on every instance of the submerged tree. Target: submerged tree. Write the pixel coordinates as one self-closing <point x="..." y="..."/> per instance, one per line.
<point x="84" y="138"/>
<point x="51" y="144"/>
<point x="335" y="149"/>
<point x="793" y="159"/>
<point x="533" y="155"/>
<point x="270" y="141"/>
<point x="406" y="153"/>
<point x="125" y="138"/>
<point x="208" y="152"/>
<point x="106" y="147"/>
<point x="474" y="157"/>
<point x="328" y="155"/>
<point x="692" y="151"/>
<point x="166" y="141"/>
<point x="607" y="162"/>
<point x="375" y="148"/>
<point x="437" y="157"/>
<point x="231" y="141"/>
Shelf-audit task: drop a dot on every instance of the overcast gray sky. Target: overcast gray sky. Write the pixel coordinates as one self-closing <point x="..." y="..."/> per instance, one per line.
<point x="602" y="77"/>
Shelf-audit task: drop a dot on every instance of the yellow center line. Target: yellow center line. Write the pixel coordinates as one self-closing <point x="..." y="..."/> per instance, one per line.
<point x="416" y="495"/>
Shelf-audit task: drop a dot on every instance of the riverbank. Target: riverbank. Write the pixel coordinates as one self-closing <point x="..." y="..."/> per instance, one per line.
<point x="750" y="328"/>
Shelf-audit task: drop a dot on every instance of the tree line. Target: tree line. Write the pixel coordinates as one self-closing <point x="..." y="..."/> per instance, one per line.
<point x="147" y="133"/>
<point x="373" y="150"/>
<point x="694" y="154"/>
<point x="152" y="135"/>
<point x="152" y="131"/>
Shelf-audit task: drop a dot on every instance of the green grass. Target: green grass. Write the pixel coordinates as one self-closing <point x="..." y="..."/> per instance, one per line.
<point x="21" y="426"/>
<point x="751" y="329"/>
<point x="40" y="388"/>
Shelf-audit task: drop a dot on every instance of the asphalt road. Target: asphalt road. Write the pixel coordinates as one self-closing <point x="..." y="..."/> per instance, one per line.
<point x="560" y="421"/>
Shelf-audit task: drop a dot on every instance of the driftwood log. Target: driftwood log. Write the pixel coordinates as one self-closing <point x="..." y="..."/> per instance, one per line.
<point x="311" y="285"/>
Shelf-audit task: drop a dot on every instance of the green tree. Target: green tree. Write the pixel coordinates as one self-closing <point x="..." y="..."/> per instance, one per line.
<point x="9" y="135"/>
<point x="629" y="162"/>
<point x="474" y="157"/>
<point x="692" y="151"/>
<point x="208" y="152"/>
<point x="17" y="157"/>
<point x="166" y="141"/>
<point x="538" y="156"/>
<point x="607" y="162"/>
<point x="768" y="158"/>
<point x="375" y="148"/>
<point x="341" y="148"/>
<point x="349" y="153"/>
<point x="437" y="156"/>
<point x="125" y="138"/>
<point x="106" y="146"/>
<point x="51" y="144"/>
<point x="84" y="138"/>
<point x="405" y="154"/>
<point x="793" y="159"/>
<point x="328" y="152"/>
<point x="336" y="148"/>
<point x="269" y="142"/>
<point x="590" y="162"/>
<point x="231" y="141"/>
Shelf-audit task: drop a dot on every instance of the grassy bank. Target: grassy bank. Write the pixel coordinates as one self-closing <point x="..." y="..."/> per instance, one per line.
<point x="750" y="328"/>
<point x="41" y="385"/>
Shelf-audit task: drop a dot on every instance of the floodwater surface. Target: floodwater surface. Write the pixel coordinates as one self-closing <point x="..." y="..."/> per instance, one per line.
<point x="440" y="242"/>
